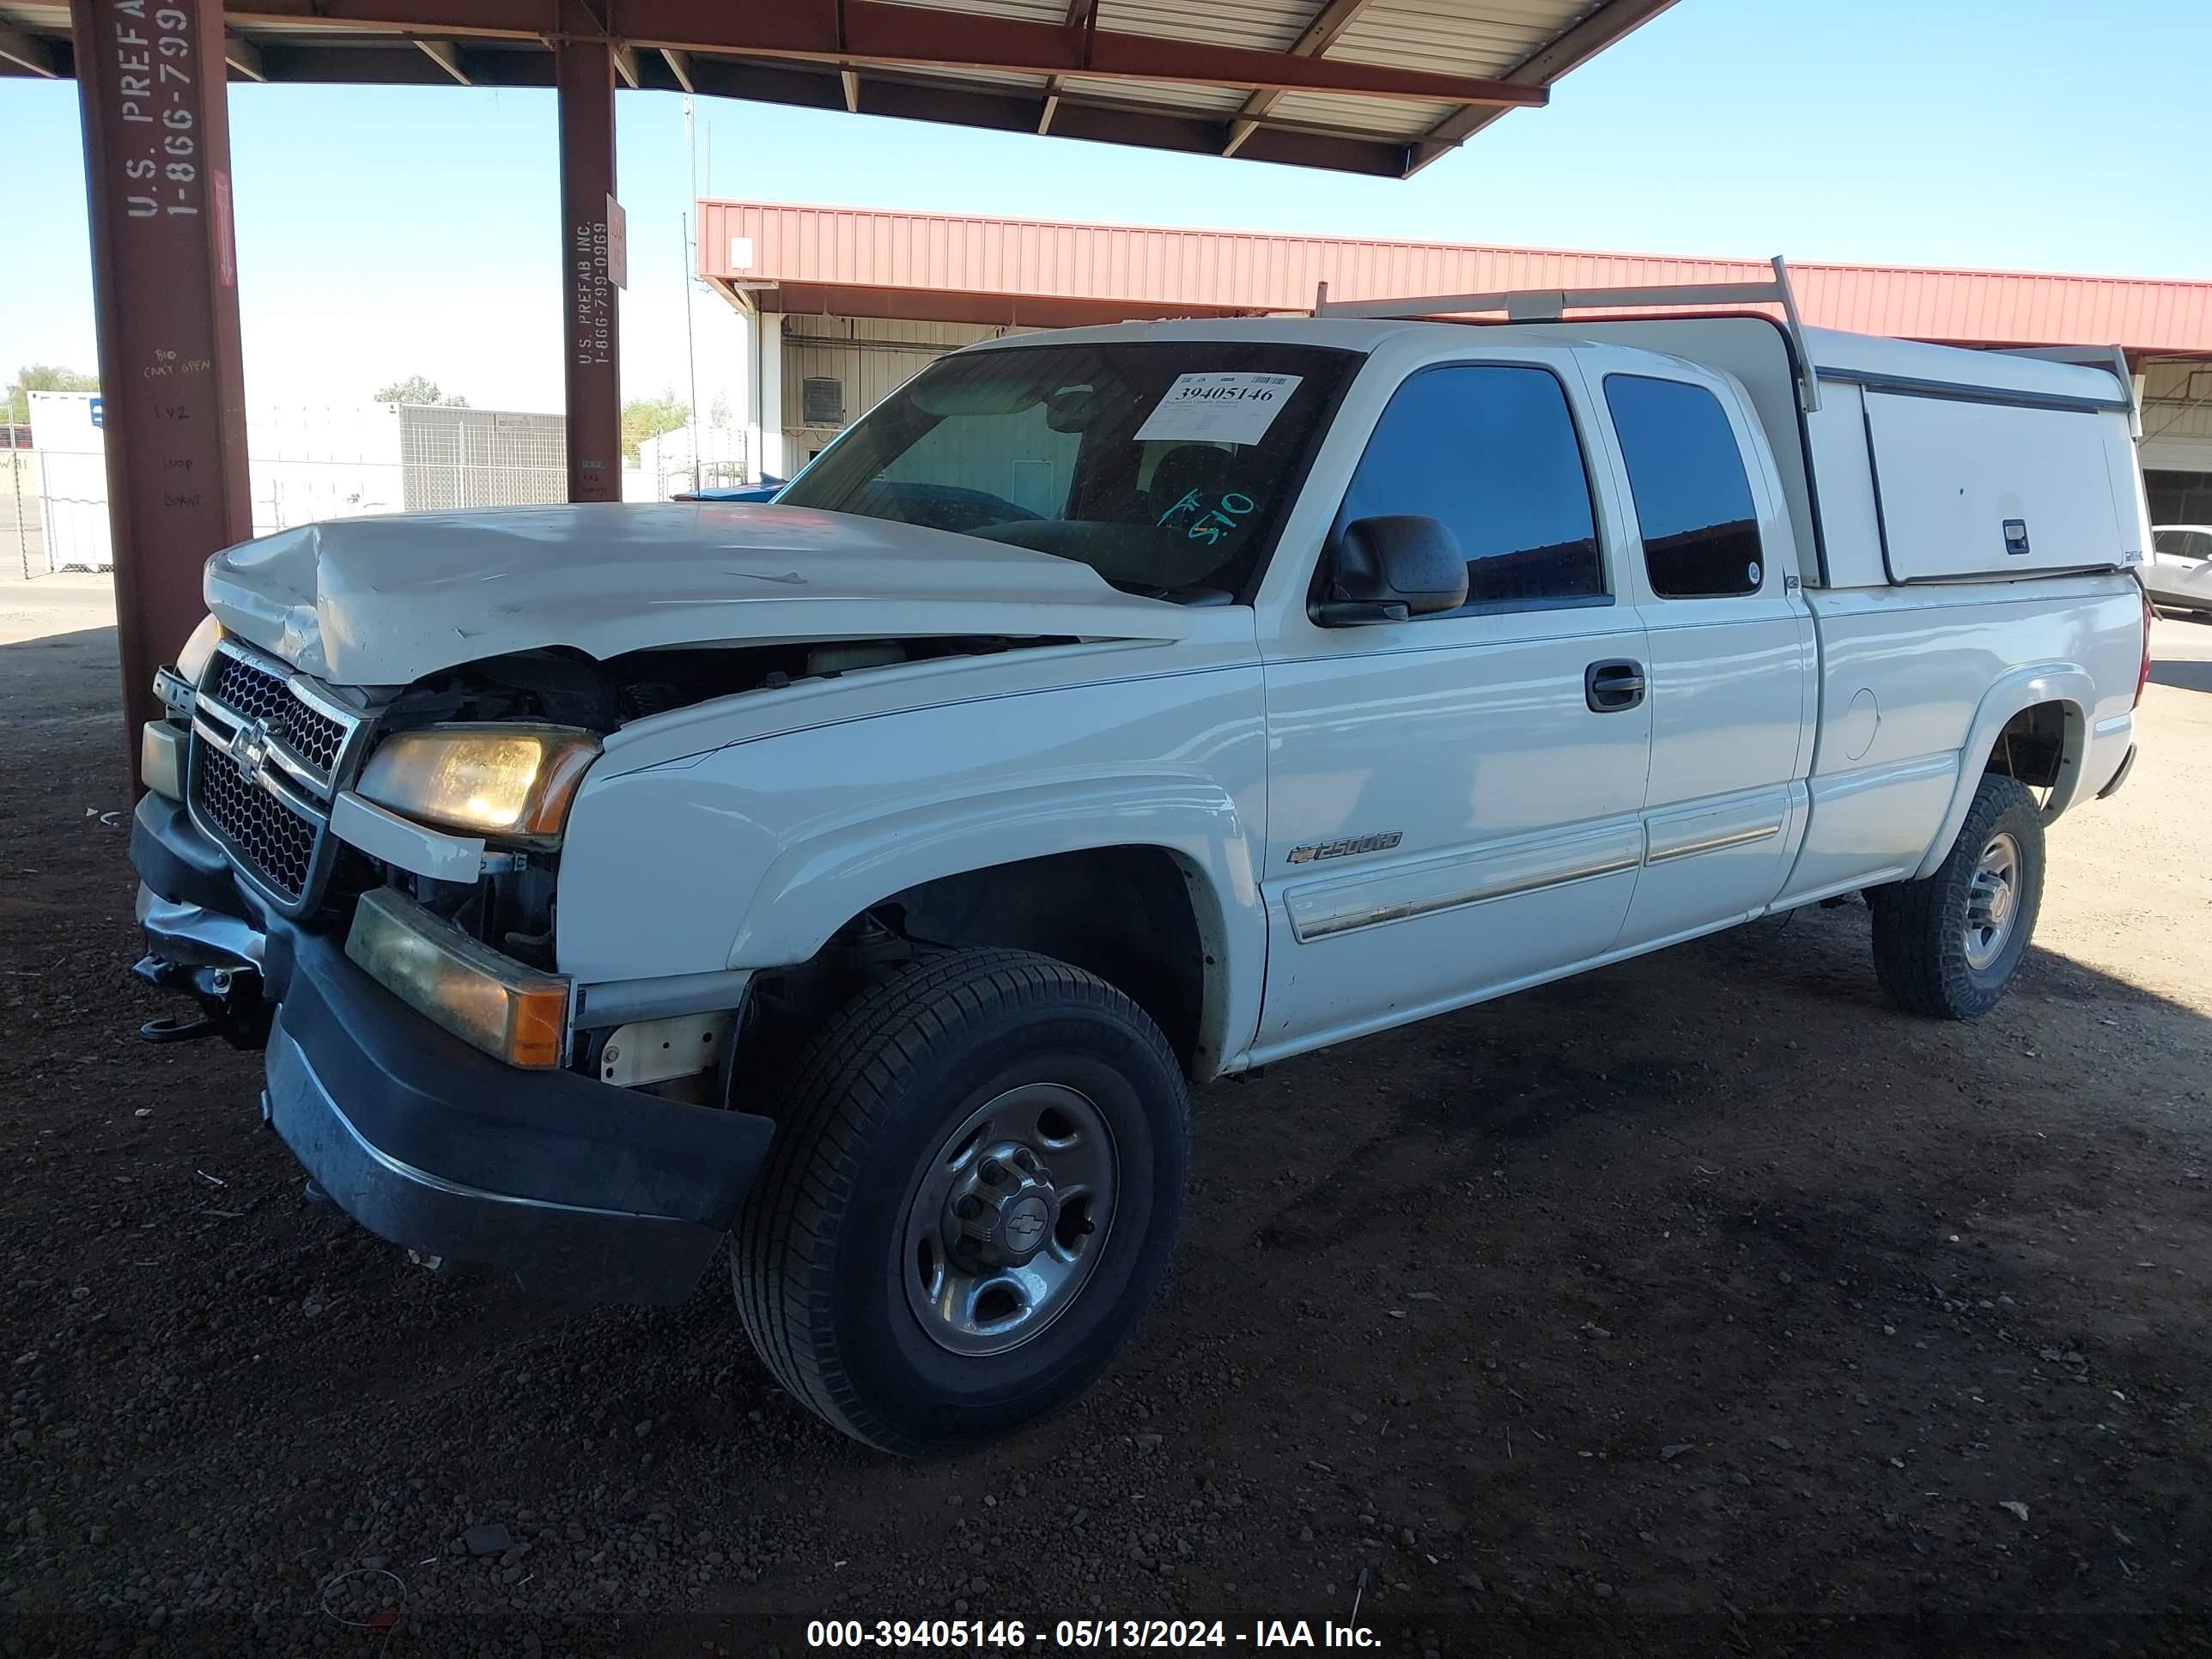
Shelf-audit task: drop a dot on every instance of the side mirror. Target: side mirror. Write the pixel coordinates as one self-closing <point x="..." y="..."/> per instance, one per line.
<point x="1389" y="569"/>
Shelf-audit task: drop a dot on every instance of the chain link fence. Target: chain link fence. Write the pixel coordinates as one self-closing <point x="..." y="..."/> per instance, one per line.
<point x="686" y="457"/>
<point x="451" y="459"/>
<point x="21" y="531"/>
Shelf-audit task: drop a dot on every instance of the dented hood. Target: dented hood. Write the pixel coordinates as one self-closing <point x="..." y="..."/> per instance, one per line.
<point x="382" y="601"/>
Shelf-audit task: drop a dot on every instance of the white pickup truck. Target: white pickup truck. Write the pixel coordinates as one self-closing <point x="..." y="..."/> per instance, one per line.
<point x="864" y="876"/>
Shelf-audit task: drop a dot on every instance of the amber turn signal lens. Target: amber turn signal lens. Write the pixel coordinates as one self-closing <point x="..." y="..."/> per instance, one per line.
<point x="512" y="1012"/>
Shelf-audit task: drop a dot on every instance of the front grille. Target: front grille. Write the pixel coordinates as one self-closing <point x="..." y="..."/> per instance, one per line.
<point x="274" y="841"/>
<point x="266" y="764"/>
<point x="258" y="694"/>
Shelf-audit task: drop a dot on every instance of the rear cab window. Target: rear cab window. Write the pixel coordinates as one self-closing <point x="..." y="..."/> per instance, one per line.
<point x="1694" y="510"/>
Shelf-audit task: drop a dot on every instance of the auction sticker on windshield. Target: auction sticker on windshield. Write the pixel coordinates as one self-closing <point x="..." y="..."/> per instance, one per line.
<point x="1231" y="408"/>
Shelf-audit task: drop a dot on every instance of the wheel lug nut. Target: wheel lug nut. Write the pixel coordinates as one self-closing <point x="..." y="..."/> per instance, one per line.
<point x="966" y="1206"/>
<point x="1027" y="1160"/>
<point x="994" y="1171"/>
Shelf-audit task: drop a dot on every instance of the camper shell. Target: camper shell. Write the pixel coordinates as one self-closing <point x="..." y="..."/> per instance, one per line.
<point x="1901" y="462"/>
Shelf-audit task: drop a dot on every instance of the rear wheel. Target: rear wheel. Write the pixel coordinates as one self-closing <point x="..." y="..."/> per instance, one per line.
<point x="1948" y="944"/>
<point x="975" y="1187"/>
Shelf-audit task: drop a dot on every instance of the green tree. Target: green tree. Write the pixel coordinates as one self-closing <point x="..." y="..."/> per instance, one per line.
<point x="44" y="377"/>
<point x="718" y="412"/>
<point x="417" y="389"/>
<point x="648" y="417"/>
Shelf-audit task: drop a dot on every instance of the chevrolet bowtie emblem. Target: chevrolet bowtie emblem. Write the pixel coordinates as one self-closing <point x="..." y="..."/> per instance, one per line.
<point x="249" y="748"/>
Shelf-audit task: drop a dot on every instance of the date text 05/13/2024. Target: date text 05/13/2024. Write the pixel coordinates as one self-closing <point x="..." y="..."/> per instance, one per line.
<point x="1080" y="1635"/>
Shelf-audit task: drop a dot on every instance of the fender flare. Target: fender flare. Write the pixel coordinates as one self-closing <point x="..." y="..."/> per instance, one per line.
<point x="813" y="887"/>
<point x="2065" y="683"/>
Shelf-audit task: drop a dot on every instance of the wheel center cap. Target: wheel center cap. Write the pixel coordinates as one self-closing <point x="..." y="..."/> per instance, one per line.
<point x="1003" y="1213"/>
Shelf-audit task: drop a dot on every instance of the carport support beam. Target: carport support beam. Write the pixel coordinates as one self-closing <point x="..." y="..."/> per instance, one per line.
<point x="767" y="358"/>
<point x="584" y="84"/>
<point x="165" y="297"/>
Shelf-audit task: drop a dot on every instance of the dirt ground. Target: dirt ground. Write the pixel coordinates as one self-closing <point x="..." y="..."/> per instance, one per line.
<point x="1704" y="1304"/>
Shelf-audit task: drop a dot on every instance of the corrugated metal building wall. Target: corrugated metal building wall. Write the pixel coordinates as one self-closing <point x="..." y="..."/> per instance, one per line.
<point x="835" y="369"/>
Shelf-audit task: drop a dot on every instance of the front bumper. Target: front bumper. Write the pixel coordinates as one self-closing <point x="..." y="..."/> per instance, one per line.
<point x="572" y="1186"/>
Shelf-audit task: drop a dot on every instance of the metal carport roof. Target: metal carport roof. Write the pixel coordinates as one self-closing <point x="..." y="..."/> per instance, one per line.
<point x="1365" y="86"/>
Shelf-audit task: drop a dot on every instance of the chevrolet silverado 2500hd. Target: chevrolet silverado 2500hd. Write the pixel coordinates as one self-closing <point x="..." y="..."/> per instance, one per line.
<point x="863" y="877"/>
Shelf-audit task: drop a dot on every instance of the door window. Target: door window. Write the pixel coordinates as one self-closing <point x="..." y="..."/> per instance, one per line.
<point x="1693" y="497"/>
<point x="1490" y="452"/>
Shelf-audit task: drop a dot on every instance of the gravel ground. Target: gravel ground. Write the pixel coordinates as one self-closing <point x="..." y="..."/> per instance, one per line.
<point x="1700" y="1305"/>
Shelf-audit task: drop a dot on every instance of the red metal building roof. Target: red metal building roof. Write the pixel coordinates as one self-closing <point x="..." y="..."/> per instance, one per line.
<point x="951" y="268"/>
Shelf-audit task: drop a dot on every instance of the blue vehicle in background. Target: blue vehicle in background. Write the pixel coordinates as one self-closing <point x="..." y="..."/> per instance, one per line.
<point x="938" y="506"/>
<point x="763" y="491"/>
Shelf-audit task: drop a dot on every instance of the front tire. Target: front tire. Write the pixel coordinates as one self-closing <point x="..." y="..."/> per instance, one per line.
<point x="1948" y="945"/>
<point x="975" y="1185"/>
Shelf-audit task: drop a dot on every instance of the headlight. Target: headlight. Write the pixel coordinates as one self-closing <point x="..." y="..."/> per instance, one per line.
<point x="192" y="660"/>
<point x="494" y="780"/>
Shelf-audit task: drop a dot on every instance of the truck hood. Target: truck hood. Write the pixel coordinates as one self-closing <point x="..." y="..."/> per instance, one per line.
<point x="384" y="601"/>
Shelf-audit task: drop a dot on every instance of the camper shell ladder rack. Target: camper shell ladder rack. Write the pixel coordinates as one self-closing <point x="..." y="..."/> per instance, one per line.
<point x="1552" y="305"/>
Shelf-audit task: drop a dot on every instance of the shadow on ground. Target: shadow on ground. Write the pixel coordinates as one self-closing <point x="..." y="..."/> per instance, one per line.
<point x="2185" y="673"/>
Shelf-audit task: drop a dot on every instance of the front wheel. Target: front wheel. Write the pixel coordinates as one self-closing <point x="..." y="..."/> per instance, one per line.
<point x="1948" y="944"/>
<point x="974" y="1187"/>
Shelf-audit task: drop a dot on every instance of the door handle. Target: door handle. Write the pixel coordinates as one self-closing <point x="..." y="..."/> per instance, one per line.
<point x="1610" y="687"/>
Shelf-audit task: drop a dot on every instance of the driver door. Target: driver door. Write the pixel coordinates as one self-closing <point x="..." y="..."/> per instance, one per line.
<point x="1454" y="800"/>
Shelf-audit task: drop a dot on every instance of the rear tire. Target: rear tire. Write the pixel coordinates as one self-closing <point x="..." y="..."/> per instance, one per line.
<point x="975" y="1187"/>
<point x="1948" y="946"/>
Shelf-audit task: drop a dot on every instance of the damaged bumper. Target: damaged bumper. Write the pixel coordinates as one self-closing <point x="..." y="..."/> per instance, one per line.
<point x="571" y="1186"/>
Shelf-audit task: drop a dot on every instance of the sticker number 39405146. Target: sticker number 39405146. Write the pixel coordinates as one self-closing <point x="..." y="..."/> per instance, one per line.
<point x="1229" y="408"/>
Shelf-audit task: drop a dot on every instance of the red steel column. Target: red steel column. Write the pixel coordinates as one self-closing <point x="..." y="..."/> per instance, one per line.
<point x="584" y="83"/>
<point x="149" y="78"/>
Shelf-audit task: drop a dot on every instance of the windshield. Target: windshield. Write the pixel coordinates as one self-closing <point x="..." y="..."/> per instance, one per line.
<point x="1165" y="466"/>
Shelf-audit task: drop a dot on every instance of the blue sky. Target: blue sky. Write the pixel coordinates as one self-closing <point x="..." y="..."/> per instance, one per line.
<point x="386" y="231"/>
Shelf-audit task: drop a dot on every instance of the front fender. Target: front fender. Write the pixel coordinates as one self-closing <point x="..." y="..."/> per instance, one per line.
<point x="814" y="888"/>
<point x="2065" y="683"/>
<point x="752" y="855"/>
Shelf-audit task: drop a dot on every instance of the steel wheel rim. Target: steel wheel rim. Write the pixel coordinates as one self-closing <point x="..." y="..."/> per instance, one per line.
<point x="1008" y="1218"/>
<point x="1992" y="901"/>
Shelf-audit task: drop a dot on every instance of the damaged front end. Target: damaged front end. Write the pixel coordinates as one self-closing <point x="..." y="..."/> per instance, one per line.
<point x="213" y="959"/>
<point x="421" y="1062"/>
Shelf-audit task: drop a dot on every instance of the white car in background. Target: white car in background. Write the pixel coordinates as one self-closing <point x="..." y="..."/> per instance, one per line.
<point x="2179" y="574"/>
